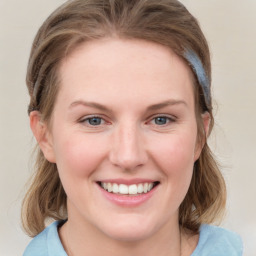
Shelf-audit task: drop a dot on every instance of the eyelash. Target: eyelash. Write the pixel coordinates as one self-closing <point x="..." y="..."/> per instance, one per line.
<point x="86" y="120"/>
<point x="168" y="118"/>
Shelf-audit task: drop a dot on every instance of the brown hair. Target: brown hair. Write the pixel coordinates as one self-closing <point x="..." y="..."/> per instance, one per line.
<point x="165" y="22"/>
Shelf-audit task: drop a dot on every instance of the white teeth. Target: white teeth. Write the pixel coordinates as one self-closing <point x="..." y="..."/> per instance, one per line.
<point x="132" y="189"/>
<point x="109" y="187"/>
<point x="140" y="188"/>
<point x="115" y="188"/>
<point x="123" y="189"/>
<point x="145" y="187"/>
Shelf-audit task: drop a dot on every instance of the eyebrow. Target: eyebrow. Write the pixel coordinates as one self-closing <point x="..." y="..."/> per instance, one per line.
<point x="166" y="104"/>
<point x="88" y="104"/>
<point x="149" y="108"/>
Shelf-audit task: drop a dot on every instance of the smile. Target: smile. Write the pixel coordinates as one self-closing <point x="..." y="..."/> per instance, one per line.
<point x="132" y="189"/>
<point x="128" y="193"/>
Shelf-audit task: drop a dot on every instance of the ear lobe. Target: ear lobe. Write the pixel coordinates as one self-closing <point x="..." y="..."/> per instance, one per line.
<point x="206" y="118"/>
<point x="42" y="135"/>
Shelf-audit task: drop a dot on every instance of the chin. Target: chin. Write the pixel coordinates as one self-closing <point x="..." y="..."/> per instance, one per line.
<point x="131" y="235"/>
<point x="129" y="231"/>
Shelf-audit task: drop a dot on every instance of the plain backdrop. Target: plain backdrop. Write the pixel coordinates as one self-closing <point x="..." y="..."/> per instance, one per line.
<point x="230" y="29"/>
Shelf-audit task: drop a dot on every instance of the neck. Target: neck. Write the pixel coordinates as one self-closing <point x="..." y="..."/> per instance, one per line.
<point x="83" y="240"/>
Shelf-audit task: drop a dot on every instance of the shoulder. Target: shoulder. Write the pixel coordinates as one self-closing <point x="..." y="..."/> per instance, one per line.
<point x="216" y="241"/>
<point x="47" y="243"/>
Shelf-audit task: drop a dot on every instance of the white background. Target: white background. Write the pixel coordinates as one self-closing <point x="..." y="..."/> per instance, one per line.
<point x="229" y="26"/>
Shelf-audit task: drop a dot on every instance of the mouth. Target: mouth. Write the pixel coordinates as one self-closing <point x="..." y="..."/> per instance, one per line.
<point x="128" y="190"/>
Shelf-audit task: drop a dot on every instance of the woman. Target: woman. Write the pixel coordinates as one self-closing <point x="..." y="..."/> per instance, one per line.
<point x="121" y="110"/>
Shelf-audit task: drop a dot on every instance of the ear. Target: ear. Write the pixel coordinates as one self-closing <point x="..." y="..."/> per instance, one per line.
<point x="206" y="120"/>
<point x="42" y="135"/>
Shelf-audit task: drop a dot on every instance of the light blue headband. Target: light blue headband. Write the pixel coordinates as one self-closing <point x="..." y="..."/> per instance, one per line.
<point x="198" y="68"/>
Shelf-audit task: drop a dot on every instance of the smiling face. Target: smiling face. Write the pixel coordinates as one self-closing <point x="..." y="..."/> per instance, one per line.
<point x="124" y="136"/>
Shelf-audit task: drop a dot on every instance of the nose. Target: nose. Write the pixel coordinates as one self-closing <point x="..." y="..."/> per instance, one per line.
<point x="128" y="148"/>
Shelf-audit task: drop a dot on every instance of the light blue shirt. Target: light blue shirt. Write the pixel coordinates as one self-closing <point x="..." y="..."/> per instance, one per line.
<point x="213" y="241"/>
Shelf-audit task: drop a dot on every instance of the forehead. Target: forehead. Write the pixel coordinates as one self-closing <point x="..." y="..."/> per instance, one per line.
<point x="126" y="68"/>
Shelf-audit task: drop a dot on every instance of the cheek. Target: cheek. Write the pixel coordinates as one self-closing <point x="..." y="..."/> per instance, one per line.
<point x="175" y="156"/>
<point x="78" y="157"/>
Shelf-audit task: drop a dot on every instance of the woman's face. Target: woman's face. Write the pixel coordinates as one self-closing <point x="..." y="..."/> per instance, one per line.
<point x="124" y="120"/>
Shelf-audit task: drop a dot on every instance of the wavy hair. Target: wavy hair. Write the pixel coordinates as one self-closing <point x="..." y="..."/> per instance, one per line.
<point x="166" y="22"/>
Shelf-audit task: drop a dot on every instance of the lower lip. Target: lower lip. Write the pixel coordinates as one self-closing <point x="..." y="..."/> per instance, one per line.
<point x="125" y="200"/>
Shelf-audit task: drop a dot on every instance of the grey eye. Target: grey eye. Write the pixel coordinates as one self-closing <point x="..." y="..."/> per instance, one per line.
<point x="161" y="120"/>
<point x="94" y="121"/>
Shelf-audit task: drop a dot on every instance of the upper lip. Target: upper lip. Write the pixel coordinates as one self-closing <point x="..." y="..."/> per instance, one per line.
<point x="128" y="181"/>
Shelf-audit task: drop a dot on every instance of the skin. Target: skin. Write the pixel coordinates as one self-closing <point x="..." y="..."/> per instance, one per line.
<point x="127" y="78"/>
